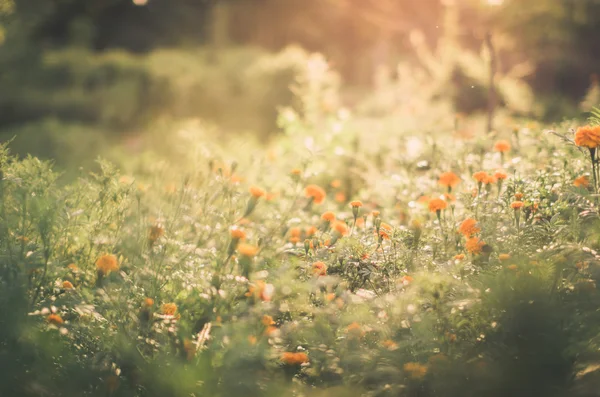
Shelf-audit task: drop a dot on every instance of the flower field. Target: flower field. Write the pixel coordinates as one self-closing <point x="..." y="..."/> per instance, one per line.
<point x="397" y="254"/>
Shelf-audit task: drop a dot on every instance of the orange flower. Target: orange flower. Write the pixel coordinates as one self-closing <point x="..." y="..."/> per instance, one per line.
<point x="316" y="193"/>
<point x="480" y="176"/>
<point x="376" y="214"/>
<point x="237" y="234"/>
<point x="295" y="232"/>
<point x="449" y="197"/>
<point x="148" y="302"/>
<point x="386" y="226"/>
<point x="512" y="267"/>
<point x="319" y="269"/>
<point x="516" y="205"/>
<point x="311" y="231"/>
<point x="384" y="235"/>
<point x="518" y="196"/>
<point x="500" y="175"/>
<point x="247" y="250"/>
<point x="67" y="285"/>
<point x="355" y="330"/>
<point x="504" y="257"/>
<point x="261" y="290"/>
<point x="474" y="245"/>
<point x="356" y="204"/>
<point x="459" y="257"/>
<point x="107" y="263"/>
<point x="588" y="136"/>
<point x="502" y="146"/>
<point x="156" y="232"/>
<point x="256" y="192"/>
<point x="582" y="181"/>
<point x="489" y="179"/>
<point x="415" y="370"/>
<point x="296" y="172"/>
<point x="169" y="309"/>
<point x="55" y="319"/>
<point x="294" y="358"/>
<point x="267" y="320"/>
<point x="341" y="228"/>
<point x="328" y="216"/>
<point x="449" y="179"/>
<point x="406" y="280"/>
<point x="390" y="344"/>
<point x="437" y="204"/>
<point x="469" y="227"/>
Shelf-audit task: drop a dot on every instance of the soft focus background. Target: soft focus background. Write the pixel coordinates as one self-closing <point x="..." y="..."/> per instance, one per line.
<point x="78" y="75"/>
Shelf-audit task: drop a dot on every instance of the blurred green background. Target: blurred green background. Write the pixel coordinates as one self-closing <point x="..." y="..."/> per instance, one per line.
<point x="78" y="76"/>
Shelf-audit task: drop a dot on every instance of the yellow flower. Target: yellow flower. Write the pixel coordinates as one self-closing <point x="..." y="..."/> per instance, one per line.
<point x="415" y="370"/>
<point x="247" y="250"/>
<point x="469" y="227"/>
<point x="316" y="193"/>
<point x="107" y="263"/>
<point x="588" y="136"/>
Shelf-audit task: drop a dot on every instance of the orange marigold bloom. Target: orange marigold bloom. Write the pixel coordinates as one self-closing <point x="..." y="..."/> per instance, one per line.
<point x="237" y="233"/>
<point x="148" y="302"/>
<point x="169" y="309"/>
<point x="502" y="146"/>
<point x="386" y="226"/>
<point x="384" y="235"/>
<point x="449" y="179"/>
<point x="356" y="204"/>
<point x="107" y="263"/>
<point x="267" y="320"/>
<point x="316" y="193"/>
<point x="341" y="227"/>
<point x="518" y="196"/>
<point x="516" y="205"/>
<point x="247" y="250"/>
<point x="459" y="257"/>
<point x="390" y="344"/>
<point x="480" y="176"/>
<point x="415" y="370"/>
<point x="489" y="179"/>
<point x="437" y="204"/>
<point x="355" y="330"/>
<point x="504" y="257"/>
<point x="54" y="319"/>
<point x="67" y="285"/>
<point x="406" y="280"/>
<point x="257" y="192"/>
<point x="336" y="183"/>
<point x="512" y="267"/>
<point x="376" y="214"/>
<point x="328" y="216"/>
<point x="582" y="181"/>
<point x="500" y="175"/>
<point x="261" y="290"/>
<point x="295" y="232"/>
<point x="340" y="197"/>
<point x="319" y="269"/>
<point x="469" y="227"/>
<point x="294" y="358"/>
<point x="449" y="197"/>
<point x="311" y="231"/>
<point x="296" y="172"/>
<point x="588" y="136"/>
<point x="474" y="245"/>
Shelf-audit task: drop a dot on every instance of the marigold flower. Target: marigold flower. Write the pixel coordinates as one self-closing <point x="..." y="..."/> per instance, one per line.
<point x="581" y="181"/>
<point x="516" y="205"/>
<point x="341" y="228"/>
<point x="355" y="330"/>
<point x="247" y="250"/>
<point x="311" y="231"/>
<point x="340" y="197"/>
<point x="512" y="267"/>
<point x="267" y="320"/>
<point x="588" y="136"/>
<point x="319" y="269"/>
<point x="54" y="319"/>
<point x="415" y="370"/>
<point x="328" y="216"/>
<point x="449" y="179"/>
<point x="518" y="196"/>
<point x="261" y="290"/>
<point x="386" y="226"/>
<point x="504" y="257"/>
<point x="469" y="227"/>
<point x="406" y="280"/>
<point x="107" y="263"/>
<point x="295" y="232"/>
<point x="67" y="285"/>
<point x="296" y="172"/>
<point x="336" y="183"/>
<point x="356" y="204"/>
<point x="500" y="175"/>
<point x="169" y="309"/>
<point x="489" y="179"/>
<point x="449" y="197"/>
<point x="384" y="235"/>
<point x="480" y="176"/>
<point x="474" y="245"/>
<point x="502" y="146"/>
<point x="148" y="302"/>
<point x="294" y="358"/>
<point x="237" y="233"/>
<point x="390" y="344"/>
<point x="73" y="267"/>
<point x="316" y="193"/>
<point x="437" y="204"/>
<point x="257" y="192"/>
<point x="376" y="214"/>
<point x="459" y="257"/>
